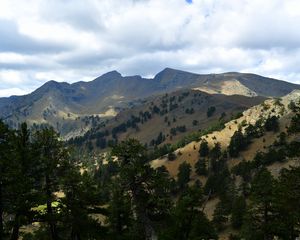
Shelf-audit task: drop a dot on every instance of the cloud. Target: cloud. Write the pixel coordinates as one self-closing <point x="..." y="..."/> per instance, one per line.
<point x="12" y="91"/>
<point x="74" y="40"/>
<point x="14" y="41"/>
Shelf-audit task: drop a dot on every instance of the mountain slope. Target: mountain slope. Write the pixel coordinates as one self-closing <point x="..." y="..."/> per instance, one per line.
<point x="268" y="108"/>
<point x="168" y="118"/>
<point x="81" y="105"/>
<point x="269" y="143"/>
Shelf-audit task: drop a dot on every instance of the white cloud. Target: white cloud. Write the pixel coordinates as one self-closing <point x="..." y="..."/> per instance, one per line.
<point x="12" y="91"/>
<point x="11" y="77"/>
<point x="87" y="38"/>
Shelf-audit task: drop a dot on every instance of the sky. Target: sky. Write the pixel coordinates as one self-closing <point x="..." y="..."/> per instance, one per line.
<point x="79" y="40"/>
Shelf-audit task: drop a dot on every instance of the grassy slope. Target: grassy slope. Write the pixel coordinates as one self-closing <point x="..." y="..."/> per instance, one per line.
<point x="197" y="100"/>
<point x="189" y="153"/>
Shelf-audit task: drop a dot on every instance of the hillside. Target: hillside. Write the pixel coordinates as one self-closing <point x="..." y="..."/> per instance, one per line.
<point x="189" y="153"/>
<point x="268" y="143"/>
<point x="215" y="192"/>
<point x="165" y="119"/>
<point x="79" y="106"/>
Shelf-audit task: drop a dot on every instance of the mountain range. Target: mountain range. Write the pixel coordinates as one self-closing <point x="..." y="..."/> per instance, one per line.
<point x="79" y="106"/>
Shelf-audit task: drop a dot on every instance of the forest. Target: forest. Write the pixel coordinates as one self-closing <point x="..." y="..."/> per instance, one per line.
<point x="46" y="192"/>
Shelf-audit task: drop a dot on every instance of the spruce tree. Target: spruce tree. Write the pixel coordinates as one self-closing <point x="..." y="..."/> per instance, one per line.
<point x="238" y="212"/>
<point x="183" y="176"/>
<point x="51" y="156"/>
<point x="259" y="221"/>
<point x="5" y="160"/>
<point x="204" y="149"/>
<point x="201" y="168"/>
<point x="147" y="187"/>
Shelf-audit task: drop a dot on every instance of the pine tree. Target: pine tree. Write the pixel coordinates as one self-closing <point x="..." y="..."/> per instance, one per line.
<point x="147" y="187"/>
<point x="204" y="149"/>
<point x="120" y="219"/>
<point x="22" y="197"/>
<point x="272" y="124"/>
<point x="238" y="142"/>
<point x="238" y="212"/>
<point x="5" y="160"/>
<point x="201" y="168"/>
<point x="79" y="202"/>
<point x="220" y="217"/>
<point x="187" y="220"/>
<point x="183" y="176"/>
<point x="287" y="200"/>
<point x="259" y="221"/>
<point x="52" y="155"/>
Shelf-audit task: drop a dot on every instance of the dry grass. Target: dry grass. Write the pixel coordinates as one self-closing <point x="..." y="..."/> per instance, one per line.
<point x="189" y="153"/>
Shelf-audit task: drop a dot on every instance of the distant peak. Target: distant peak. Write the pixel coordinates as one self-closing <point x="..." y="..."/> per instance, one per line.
<point x="164" y="72"/>
<point x="112" y="74"/>
<point x="51" y="83"/>
<point x="167" y="69"/>
<point x="169" y="73"/>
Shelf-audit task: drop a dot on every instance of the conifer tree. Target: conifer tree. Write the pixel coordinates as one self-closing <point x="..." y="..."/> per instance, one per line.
<point x="147" y="187"/>
<point x="5" y="159"/>
<point x="51" y="156"/>
<point x="204" y="149"/>
<point x="183" y="176"/>
<point x="259" y="222"/>
<point x="201" y="168"/>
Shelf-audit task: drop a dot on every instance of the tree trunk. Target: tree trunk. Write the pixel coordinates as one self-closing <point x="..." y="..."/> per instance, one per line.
<point x="1" y="213"/>
<point x="16" y="228"/>
<point x="51" y="221"/>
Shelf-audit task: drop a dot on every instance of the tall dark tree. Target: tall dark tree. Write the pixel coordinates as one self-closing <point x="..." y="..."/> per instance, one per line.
<point x="215" y="153"/>
<point x="79" y="202"/>
<point x="5" y="160"/>
<point x="52" y="155"/>
<point x="238" y="212"/>
<point x="287" y="200"/>
<point x="272" y="124"/>
<point x="204" y="149"/>
<point x="187" y="221"/>
<point x="238" y="142"/>
<point x="220" y="217"/>
<point x="200" y="166"/>
<point x="183" y="176"/>
<point x="259" y="222"/>
<point x="295" y="124"/>
<point x="120" y="219"/>
<point x="148" y="194"/>
<point x="22" y="192"/>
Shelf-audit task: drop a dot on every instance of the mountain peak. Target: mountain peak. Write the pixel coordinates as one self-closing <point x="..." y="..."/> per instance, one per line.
<point x="165" y="73"/>
<point x="168" y="70"/>
<point x="111" y="74"/>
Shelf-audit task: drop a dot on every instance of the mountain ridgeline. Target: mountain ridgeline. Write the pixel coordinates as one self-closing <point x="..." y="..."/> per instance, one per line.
<point x="75" y="108"/>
